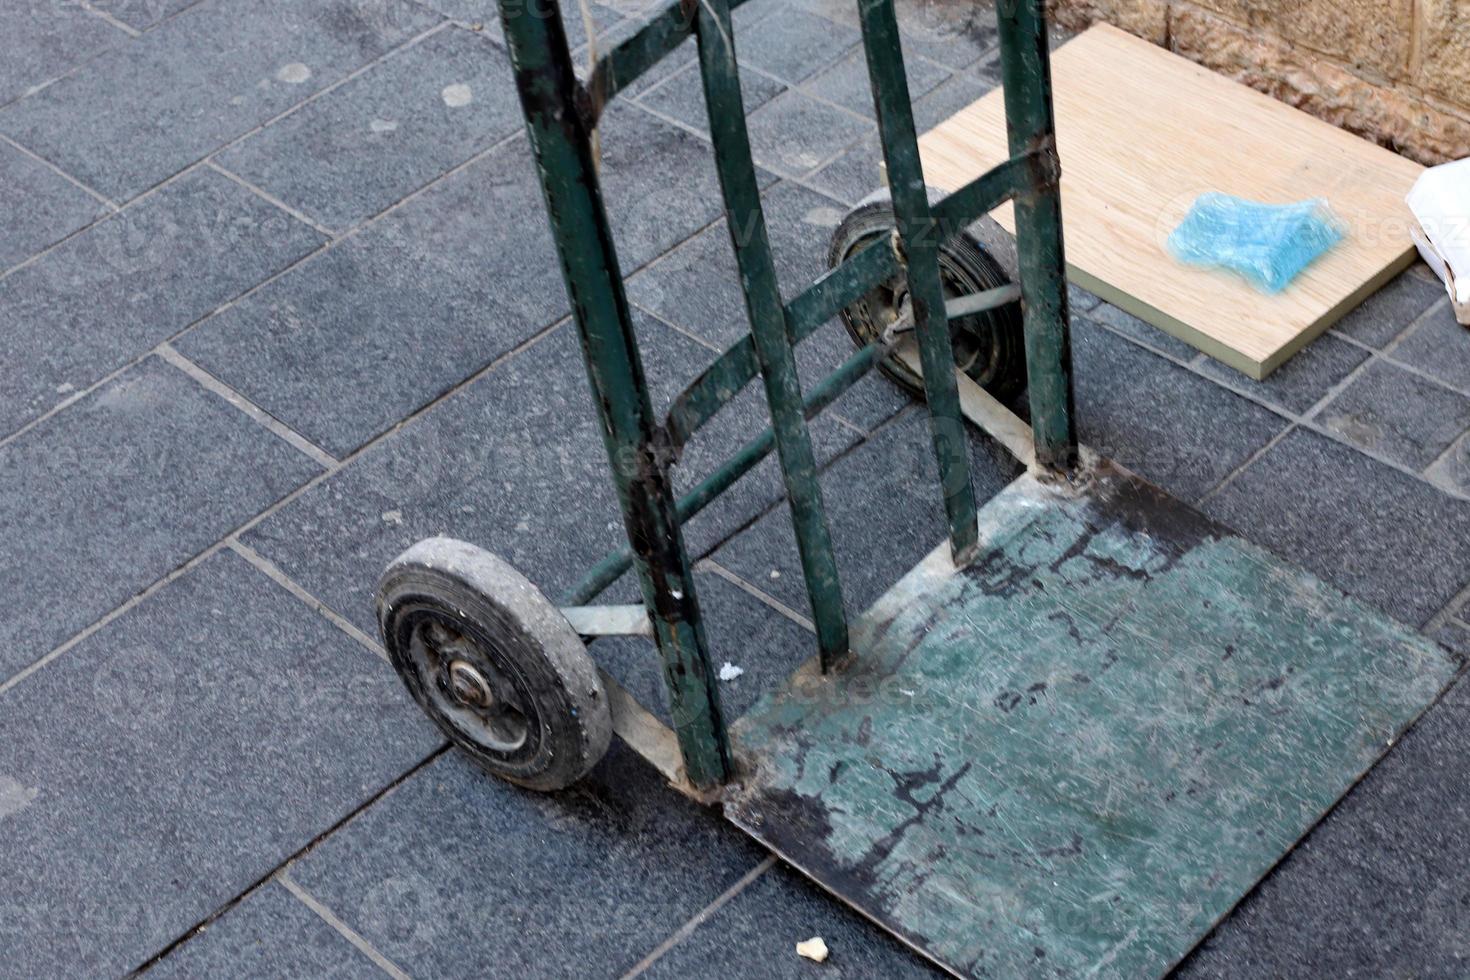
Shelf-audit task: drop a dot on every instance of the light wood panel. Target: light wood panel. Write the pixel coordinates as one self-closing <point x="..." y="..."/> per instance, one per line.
<point x="1141" y="133"/>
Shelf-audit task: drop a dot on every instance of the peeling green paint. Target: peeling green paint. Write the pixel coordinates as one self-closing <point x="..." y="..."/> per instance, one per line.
<point x="1077" y="754"/>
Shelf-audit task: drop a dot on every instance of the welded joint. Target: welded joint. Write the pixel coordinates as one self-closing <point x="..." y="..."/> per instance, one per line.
<point x="1043" y="165"/>
<point x="666" y="443"/>
<point x="589" y="99"/>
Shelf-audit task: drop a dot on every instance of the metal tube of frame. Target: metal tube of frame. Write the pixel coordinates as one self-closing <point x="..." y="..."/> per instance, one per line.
<point x="1026" y="74"/>
<point x="640" y="465"/>
<point x="822" y="300"/>
<point x="606" y="572"/>
<point x="773" y="348"/>
<point x="919" y="236"/>
<point x="660" y="34"/>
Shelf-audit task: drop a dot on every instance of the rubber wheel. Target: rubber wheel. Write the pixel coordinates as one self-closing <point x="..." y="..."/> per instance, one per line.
<point x="989" y="346"/>
<point x="494" y="663"/>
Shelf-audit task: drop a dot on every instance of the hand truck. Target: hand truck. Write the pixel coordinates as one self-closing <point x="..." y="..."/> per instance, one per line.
<point x="1093" y="718"/>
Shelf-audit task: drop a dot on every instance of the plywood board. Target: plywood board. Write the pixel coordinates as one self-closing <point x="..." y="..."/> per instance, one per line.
<point x="1142" y="133"/>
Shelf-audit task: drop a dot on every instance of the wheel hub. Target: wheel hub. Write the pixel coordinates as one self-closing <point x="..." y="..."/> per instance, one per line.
<point x="468" y="686"/>
<point x="988" y="344"/>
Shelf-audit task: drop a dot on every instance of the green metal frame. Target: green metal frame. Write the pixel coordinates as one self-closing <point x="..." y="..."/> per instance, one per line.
<point x="562" y="113"/>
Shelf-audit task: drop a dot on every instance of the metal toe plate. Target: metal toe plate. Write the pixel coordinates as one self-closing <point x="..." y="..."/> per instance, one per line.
<point x="1073" y="757"/>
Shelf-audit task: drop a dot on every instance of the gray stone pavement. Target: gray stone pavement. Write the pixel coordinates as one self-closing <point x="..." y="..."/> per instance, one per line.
<point x="277" y="298"/>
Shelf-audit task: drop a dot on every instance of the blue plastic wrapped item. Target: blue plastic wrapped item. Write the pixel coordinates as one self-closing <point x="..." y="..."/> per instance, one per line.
<point x="1267" y="243"/>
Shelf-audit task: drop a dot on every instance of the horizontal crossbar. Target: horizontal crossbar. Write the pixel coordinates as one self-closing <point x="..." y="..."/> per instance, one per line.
<point x="852" y="370"/>
<point x="834" y="292"/>
<point x="640" y="51"/>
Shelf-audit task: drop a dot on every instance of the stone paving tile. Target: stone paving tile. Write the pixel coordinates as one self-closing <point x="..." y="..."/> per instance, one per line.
<point x="954" y="94"/>
<point x="635" y="12"/>
<point x="1301" y="382"/>
<point x="359" y="337"/>
<point x="1455" y="637"/>
<point x="1438" y="346"/>
<point x="867" y="404"/>
<point x="120" y="287"/>
<point x="40" y="206"/>
<point x="514" y="463"/>
<point x="741" y="630"/>
<point x="386" y="133"/>
<point x="847" y="84"/>
<point x="879" y="533"/>
<point x="793" y="45"/>
<point x="682" y="96"/>
<point x="1145" y="333"/>
<point x="141" y="14"/>
<point x="659" y="183"/>
<point x="269" y="934"/>
<point x="142" y="112"/>
<point x="482" y="12"/>
<point x="754" y="937"/>
<point x="759" y="490"/>
<point x="956" y="35"/>
<point x="1080" y="300"/>
<point x="1452" y="470"/>
<point x="1379" y="888"/>
<point x="1397" y="414"/>
<point x="752" y="11"/>
<point x="697" y="285"/>
<point x="987" y="69"/>
<point x="1158" y="419"/>
<point x="793" y="134"/>
<point x="459" y="874"/>
<point x="46" y="40"/>
<point x="1385" y="314"/>
<point x="674" y="62"/>
<point x="1392" y="540"/>
<point x="605" y="20"/>
<point x="169" y="761"/>
<point x="121" y="488"/>
<point x="854" y="174"/>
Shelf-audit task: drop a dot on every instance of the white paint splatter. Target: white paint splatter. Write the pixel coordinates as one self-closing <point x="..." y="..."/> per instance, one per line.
<point x="15" y="797"/>
<point x="457" y="96"/>
<point x="813" y="949"/>
<point x="394" y="517"/>
<point x="293" y="74"/>
<point x="383" y="125"/>
<point x="729" y="671"/>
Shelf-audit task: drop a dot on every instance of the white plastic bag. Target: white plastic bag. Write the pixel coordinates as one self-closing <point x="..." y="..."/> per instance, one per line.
<point x="1440" y="200"/>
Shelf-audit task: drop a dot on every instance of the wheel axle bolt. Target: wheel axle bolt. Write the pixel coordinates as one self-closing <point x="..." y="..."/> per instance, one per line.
<point x="468" y="686"/>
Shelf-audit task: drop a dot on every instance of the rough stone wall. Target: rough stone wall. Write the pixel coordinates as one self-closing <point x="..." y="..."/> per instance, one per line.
<point x="1395" y="71"/>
